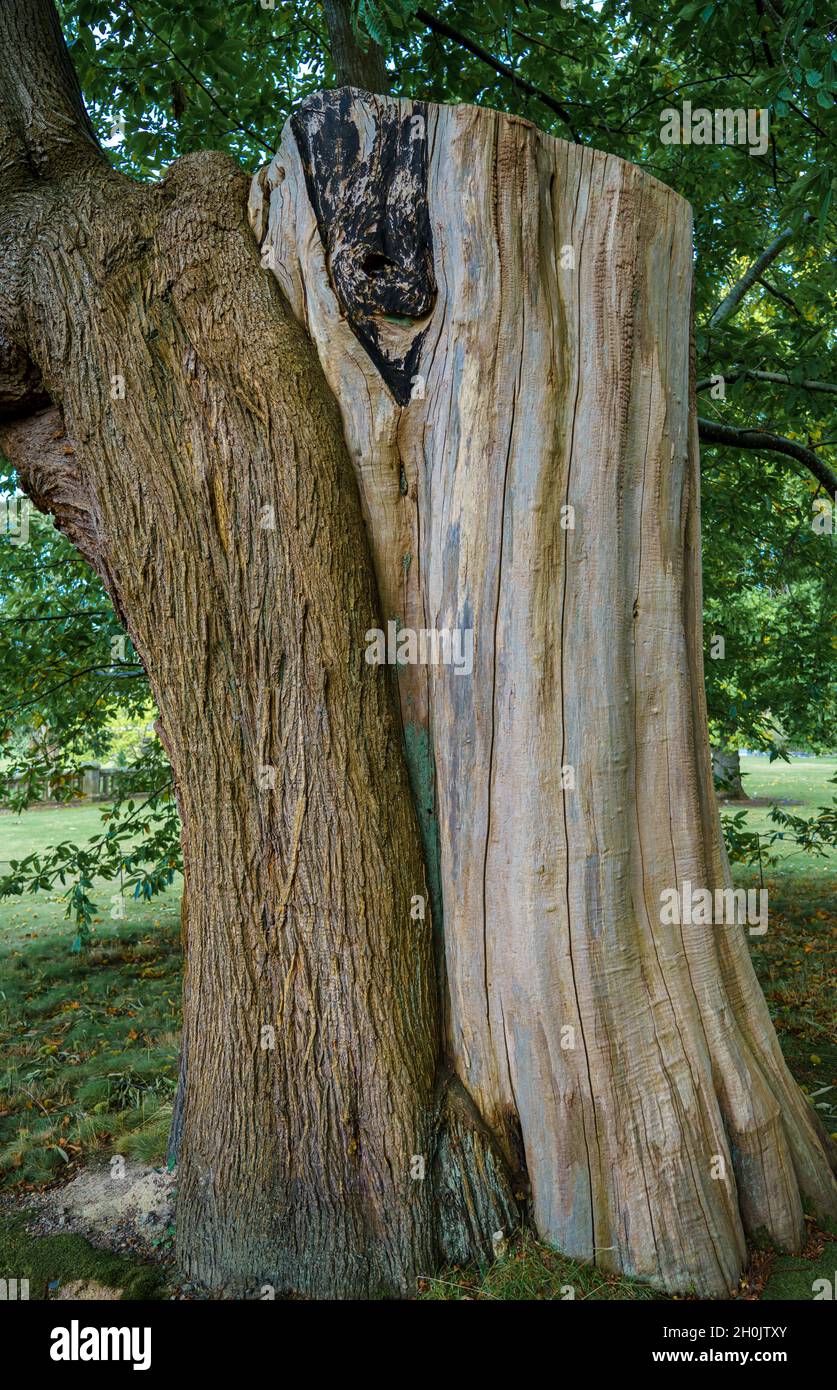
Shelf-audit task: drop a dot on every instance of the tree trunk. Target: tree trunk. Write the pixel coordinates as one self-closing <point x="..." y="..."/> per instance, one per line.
<point x="194" y="454"/>
<point x="726" y="772"/>
<point x="504" y="319"/>
<point x="355" y="66"/>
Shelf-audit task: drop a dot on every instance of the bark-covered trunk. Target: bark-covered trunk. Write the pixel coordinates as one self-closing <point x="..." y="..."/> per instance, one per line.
<point x="159" y="398"/>
<point x="503" y="320"/>
<point x="356" y="64"/>
<point x="726" y="770"/>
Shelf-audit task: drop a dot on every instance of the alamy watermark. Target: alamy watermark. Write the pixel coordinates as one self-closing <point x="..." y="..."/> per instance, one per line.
<point x="824" y="511"/>
<point x="14" y="518"/>
<point x="726" y="907"/>
<point x="81" y="1343"/>
<point x="700" y="126"/>
<point x="13" y="1289"/>
<point x="406" y="646"/>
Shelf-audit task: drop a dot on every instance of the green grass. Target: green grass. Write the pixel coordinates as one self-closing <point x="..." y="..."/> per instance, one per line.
<point x="792" y="1277"/>
<point x="796" y="962"/>
<point x="89" y="1041"/>
<point x="530" y="1270"/>
<point x="50" y="1261"/>
<point x="44" y="826"/>
<point x="804" y="781"/>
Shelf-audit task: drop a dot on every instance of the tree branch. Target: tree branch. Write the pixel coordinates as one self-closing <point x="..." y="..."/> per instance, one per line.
<point x="712" y="432"/>
<point x="438" y="26"/>
<point x="778" y="378"/>
<point x="260" y="140"/>
<point x="18" y="620"/>
<point x="44" y="127"/>
<point x="20" y="705"/>
<point x="730" y="303"/>
<point x="777" y="294"/>
<point x="46" y="464"/>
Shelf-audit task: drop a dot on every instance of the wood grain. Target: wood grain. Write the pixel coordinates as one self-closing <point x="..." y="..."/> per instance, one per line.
<point x="553" y="373"/>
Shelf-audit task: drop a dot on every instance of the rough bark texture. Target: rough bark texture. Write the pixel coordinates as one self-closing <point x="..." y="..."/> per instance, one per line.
<point x="355" y="66"/>
<point x="193" y="452"/>
<point x="567" y="783"/>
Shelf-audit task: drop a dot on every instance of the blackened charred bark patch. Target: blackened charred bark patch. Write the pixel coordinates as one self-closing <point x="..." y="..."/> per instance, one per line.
<point x="367" y="182"/>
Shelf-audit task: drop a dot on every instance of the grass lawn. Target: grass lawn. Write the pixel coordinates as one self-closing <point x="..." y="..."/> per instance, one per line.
<point x="804" y="783"/>
<point x="42" y="827"/>
<point x="89" y="1041"/>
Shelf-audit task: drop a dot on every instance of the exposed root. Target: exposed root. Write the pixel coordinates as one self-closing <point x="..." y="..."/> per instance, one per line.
<point x="474" y="1195"/>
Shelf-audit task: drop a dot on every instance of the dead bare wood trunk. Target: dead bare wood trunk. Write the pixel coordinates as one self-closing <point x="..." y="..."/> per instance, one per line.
<point x="504" y="319"/>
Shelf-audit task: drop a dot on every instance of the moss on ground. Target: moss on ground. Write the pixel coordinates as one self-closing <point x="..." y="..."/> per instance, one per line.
<point x="793" y="1277"/>
<point x="49" y="1262"/>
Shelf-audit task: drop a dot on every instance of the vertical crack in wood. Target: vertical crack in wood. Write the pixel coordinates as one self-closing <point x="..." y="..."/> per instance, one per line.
<point x="589" y="988"/>
<point x="367" y="184"/>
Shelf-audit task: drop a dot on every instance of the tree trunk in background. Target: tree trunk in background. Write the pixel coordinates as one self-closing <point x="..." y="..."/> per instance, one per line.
<point x="726" y="772"/>
<point x="504" y="320"/>
<point x="355" y="66"/>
